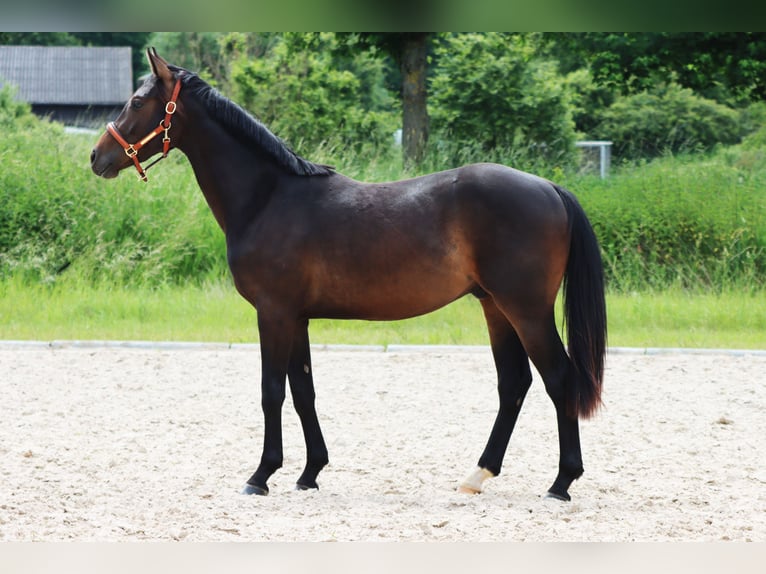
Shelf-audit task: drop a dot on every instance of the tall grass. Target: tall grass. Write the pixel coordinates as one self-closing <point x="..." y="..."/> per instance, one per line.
<point x="58" y="218"/>
<point x="693" y="222"/>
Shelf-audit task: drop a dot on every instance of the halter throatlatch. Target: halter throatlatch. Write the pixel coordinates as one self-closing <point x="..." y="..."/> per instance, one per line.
<point x="131" y="150"/>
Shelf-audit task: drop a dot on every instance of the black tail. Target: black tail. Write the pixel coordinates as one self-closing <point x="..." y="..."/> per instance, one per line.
<point x="584" y="311"/>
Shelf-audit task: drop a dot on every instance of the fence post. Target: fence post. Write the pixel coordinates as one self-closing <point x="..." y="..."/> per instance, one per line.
<point x="605" y="154"/>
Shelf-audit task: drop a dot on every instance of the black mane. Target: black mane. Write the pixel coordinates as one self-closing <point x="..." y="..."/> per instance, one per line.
<point x="239" y="122"/>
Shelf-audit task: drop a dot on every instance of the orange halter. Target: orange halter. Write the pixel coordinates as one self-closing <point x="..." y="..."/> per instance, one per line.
<point x="131" y="150"/>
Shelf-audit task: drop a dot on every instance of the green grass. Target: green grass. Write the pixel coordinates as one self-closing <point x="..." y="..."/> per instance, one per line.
<point x="215" y="312"/>
<point x="676" y="318"/>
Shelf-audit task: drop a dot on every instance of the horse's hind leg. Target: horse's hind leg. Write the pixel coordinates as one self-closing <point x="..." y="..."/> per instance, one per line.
<point x="513" y="381"/>
<point x="543" y="344"/>
<point x="301" y="380"/>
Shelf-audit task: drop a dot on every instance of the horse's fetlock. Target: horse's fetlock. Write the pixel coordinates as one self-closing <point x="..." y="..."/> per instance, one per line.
<point x="573" y="469"/>
<point x="270" y="463"/>
<point x="318" y="462"/>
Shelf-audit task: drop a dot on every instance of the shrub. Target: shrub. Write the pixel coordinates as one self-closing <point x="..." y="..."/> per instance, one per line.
<point x="694" y="221"/>
<point x="667" y="119"/>
<point x="489" y="92"/>
<point x="14" y="112"/>
<point x="756" y="140"/>
<point x="305" y="99"/>
<point x="57" y="217"/>
<point x="587" y="100"/>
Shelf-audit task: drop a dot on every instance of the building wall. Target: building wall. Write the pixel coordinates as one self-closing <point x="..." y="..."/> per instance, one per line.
<point x="80" y="116"/>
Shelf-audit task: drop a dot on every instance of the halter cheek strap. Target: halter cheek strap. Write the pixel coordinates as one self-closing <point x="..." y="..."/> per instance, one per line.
<point x="131" y="150"/>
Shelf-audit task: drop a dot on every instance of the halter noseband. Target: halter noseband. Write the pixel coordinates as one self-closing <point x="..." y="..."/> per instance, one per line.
<point x="131" y="150"/>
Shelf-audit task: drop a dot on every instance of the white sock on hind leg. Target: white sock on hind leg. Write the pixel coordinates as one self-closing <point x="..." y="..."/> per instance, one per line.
<point x="473" y="483"/>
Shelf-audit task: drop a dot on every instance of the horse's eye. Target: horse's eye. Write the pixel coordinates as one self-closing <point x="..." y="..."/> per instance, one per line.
<point x="136" y="104"/>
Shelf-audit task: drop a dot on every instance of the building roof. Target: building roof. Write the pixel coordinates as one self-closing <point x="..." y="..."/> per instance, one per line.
<point x="68" y="74"/>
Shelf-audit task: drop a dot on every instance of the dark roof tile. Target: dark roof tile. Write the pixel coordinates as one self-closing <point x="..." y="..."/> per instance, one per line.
<point x="68" y="74"/>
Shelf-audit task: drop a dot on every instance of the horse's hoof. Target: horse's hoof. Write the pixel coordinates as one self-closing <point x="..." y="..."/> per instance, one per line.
<point x="299" y="486"/>
<point x="466" y="489"/>
<point x="253" y="489"/>
<point x="558" y="496"/>
<point x="473" y="484"/>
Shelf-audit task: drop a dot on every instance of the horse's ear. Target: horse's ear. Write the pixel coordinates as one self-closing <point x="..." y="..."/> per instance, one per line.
<point x="160" y="67"/>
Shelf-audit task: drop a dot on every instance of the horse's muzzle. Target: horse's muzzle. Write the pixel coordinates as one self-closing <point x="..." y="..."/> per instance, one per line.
<point x="102" y="165"/>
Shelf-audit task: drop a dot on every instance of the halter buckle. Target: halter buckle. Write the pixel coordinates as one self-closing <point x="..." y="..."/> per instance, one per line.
<point x="131" y="150"/>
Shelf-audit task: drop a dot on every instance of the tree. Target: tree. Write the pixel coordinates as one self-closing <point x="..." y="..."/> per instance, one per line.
<point x="38" y="39"/>
<point x="411" y="55"/>
<point x="665" y="118"/>
<point x="492" y="94"/>
<point x="210" y="53"/>
<point x="312" y="98"/>
<point x="410" y="52"/>
<point x="729" y="67"/>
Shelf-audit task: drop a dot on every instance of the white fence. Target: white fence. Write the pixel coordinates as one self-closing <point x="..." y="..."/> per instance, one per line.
<point x="596" y="151"/>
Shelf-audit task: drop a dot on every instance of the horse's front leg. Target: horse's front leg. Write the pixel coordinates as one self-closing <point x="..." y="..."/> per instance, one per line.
<point x="302" y="388"/>
<point x="276" y="335"/>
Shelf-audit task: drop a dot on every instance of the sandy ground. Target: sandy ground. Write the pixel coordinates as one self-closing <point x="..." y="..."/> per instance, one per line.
<point x="114" y="444"/>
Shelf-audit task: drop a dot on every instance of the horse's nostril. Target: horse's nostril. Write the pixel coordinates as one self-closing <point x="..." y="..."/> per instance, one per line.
<point x="93" y="155"/>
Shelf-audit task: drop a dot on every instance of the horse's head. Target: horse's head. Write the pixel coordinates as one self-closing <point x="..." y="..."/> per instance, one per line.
<point x="143" y="128"/>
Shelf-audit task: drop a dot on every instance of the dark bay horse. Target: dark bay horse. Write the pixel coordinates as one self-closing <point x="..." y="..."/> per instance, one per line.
<point x="304" y="241"/>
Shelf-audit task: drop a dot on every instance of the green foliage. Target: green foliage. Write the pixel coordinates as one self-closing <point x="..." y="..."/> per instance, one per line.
<point x="57" y="218"/>
<point x="490" y="92"/>
<point x="38" y="39"/>
<point x="729" y="67"/>
<point x="587" y="101"/>
<point x="693" y="222"/>
<point x="307" y="99"/>
<point x="667" y="118"/>
<point x="756" y="140"/>
<point x="198" y="52"/>
<point x="753" y="119"/>
<point x="209" y="54"/>
<point x="14" y="114"/>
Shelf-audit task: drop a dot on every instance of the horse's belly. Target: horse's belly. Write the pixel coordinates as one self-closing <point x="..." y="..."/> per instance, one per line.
<point x="389" y="298"/>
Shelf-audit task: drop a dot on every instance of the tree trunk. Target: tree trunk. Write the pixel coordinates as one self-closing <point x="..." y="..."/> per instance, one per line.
<point x="414" y="111"/>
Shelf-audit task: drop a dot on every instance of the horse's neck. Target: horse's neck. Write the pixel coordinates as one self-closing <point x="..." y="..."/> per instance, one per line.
<point x="233" y="178"/>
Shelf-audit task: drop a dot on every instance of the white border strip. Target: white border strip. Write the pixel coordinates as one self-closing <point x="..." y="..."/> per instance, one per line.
<point x="193" y="345"/>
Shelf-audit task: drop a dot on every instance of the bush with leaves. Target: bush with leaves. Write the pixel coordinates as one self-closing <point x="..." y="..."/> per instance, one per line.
<point x="668" y="118"/>
<point x="310" y="101"/>
<point x="587" y="99"/>
<point x="694" y="221"/>
<point x="490" y="92"/>
<point x="14" y="112"/>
